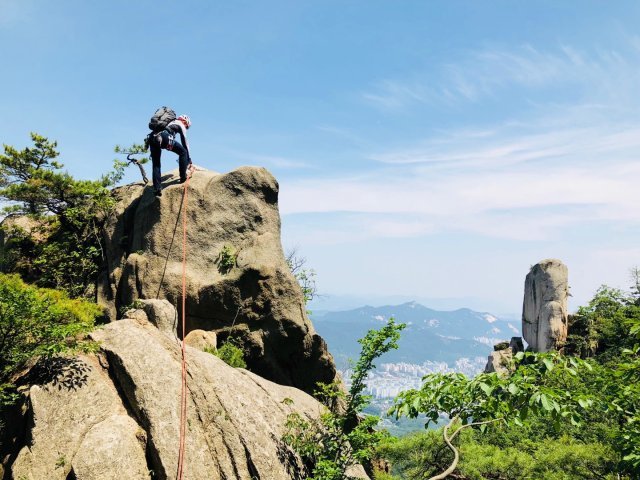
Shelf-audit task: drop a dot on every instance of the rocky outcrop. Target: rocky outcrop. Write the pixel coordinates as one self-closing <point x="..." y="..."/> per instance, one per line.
<point x="116" y="415"/>
<point x="80" y="425"/>
<point x="201" y="339"/>
<point x="500" y="359"/>
<point x="237" y="277"/>
<point x="159" y="312"/>
<point x="544" y="311"/>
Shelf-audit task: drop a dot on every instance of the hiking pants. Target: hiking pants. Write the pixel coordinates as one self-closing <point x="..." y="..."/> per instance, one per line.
<point x="164" y="140"/>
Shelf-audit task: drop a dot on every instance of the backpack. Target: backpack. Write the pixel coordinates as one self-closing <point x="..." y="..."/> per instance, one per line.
<point x="162" y="118"/>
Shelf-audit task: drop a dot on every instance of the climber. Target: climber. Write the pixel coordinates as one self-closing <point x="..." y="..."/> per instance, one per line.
<point x="166" y="139"/>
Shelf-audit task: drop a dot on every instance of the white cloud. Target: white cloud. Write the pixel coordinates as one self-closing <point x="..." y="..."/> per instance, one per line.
<point x="484" y="73"/>
<point x="392" y="94"/>
<point x="511" y="146"/>
<point x="557" y="180"/>
<point x="522" y="180"/>
<point x="511" y="201"/>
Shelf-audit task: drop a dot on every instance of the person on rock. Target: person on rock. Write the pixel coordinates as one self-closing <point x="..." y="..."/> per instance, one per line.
<point x="166" y="139"/>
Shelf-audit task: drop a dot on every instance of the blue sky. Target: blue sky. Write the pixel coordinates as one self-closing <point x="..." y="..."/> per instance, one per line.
<point x="427" y="150"/>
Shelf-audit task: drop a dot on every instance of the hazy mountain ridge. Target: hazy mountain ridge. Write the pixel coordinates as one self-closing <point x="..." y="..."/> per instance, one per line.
<point x="433" y="341"/>
<point x="431" y="336"/>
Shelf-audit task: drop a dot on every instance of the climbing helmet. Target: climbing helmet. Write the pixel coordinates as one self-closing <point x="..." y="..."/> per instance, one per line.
<point x="185" y="119"/>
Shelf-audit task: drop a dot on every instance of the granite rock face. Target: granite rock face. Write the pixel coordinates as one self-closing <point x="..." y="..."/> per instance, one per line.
<point x="544" y="311"/>
<point x="500" y="359"/>
<point x="116" y="415"/>
<point x="80" y="429"/>
<point x="238" y="282"/>
<point x="201" y="340"/>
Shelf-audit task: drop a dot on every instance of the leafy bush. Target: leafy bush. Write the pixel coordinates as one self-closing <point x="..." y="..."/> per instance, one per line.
<point x="227" y="259"/>
<point x="491" y="398"/>
<point x="602" y="328"/>
<point x="342" y="437"/>
<point x="231" y="353"/>
<point x="612" y="320"/>
<point x="38" y="322"/>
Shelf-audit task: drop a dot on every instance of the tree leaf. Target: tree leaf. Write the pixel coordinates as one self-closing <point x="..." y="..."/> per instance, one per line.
<point x="486" y="388"/>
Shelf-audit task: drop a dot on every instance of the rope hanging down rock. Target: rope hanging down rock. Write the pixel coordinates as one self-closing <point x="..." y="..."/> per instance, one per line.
<point x="183" y="396"/>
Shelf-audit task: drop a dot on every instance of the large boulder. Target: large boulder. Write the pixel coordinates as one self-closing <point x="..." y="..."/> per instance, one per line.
<point x="544" y="311"/>
<point x="201" y="339"/>
<point x="80" y="428"/>
<point x="117" y="415"/>
<point x="500" y="360"/>
<point x="237" y="279"/>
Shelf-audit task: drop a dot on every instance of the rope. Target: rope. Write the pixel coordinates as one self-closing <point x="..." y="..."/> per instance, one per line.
<point x="183" y="396"/>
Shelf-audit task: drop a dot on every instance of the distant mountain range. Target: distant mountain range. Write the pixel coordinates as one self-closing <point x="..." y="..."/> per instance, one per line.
<point x="430" y="335"/>
<point x="433" y="341"/>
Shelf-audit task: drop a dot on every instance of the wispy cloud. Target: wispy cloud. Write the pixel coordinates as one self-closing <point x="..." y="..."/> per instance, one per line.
<point x="517" y="205"/>
<point x="523" y="182"/>
<point x="510" y="146"/>
<point x="394" y="94"/>
<point x="529" y="177"/>
<point x="485" y="73"/>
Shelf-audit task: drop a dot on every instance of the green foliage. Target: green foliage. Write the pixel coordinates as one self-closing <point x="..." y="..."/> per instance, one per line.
<point x="613" y="320"/>
<point x="231" y="353"/>
<point x="33" y="181"/>
<point x="418" y="455"/>
<point x="227" y="259"/>
<point x="134" y="149"/>
<point x="342" y="437"/>
<point x="374" y="344"/>
<point x="377" y="475"/>
<point x="38" y="322"/>
<point x="602" y="328"/>
<point x="64" y="248"/>
<point x="490" y="397"/>
<point x="534" y="388"/>
<point x="135" y="305"/>
<point x="622" y="399"/>
<point x="421" y="455"/>
<point x="554" y="416"/>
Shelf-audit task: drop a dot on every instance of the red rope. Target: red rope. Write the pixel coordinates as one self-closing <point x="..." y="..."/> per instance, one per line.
<point x="183" y="396"/>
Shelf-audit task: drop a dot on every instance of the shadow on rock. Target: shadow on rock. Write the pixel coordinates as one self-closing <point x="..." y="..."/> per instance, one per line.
<point x="61" y="372"/>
